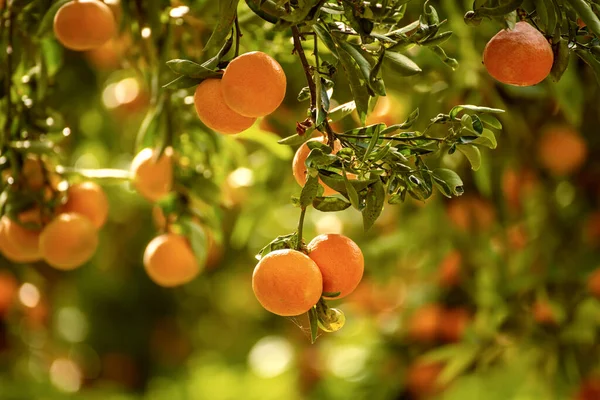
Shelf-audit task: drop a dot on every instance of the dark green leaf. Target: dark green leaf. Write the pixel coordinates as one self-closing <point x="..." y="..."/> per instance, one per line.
<point x="403" y="65"/>
<point x="328" y="204"/>
<point x="309" y="191"/>
<point x="373" y="204"/>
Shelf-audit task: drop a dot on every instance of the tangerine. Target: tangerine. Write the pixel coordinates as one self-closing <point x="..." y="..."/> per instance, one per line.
<point x="152" y="178"/>
<point x="519" y="57"/>
<point x="68" y="241"/>
<point x="170" y="261"/>
<point x="561" y="150"/>
<point x="84" y="24"/>
<point x="89" y="200"/>
<point x="287" y="282"/>
<point x="340" y="261"/>
<point x="254" y="84"/>
<point x="215" y="113"/>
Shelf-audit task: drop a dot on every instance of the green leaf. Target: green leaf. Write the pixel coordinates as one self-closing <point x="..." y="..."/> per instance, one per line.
<point x="374" y="202"/>
<point x="441" y="53"/>
<point x="326" y="38"/>
<point x="490" y="121"/>
<point x="341" y="111"/>
<point x="268" y="140"/>
<point x="364" y="65"/>
<point x="403" y="65"/>
<point x="309" y="191"/>
<point x="294" y="140"/>
<point x="372" y="142"/>
<point x="487" y="139"/>
<point x="183" y="82"/>
<point x="352" y="193"/>
<point x="458" y="364"/>
<point x="412" y="118"/>
<point x="189" y="68"/>
<point x="448" y="182"/>
<point x="500" y="10"/>
<point x="472" y="153"/>
<point x="358" y="86"/>
<point x="436" y="40"/>
<point x="329" y="204"/>
<point x="227" y="15"/>
<point x="590" y="60"/>
<point x="198" y="240"/>
<point x="457" y="109"/>
<point x="561" y="59"/>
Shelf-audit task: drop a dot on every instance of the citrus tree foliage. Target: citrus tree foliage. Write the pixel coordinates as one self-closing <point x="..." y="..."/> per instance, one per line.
<point x="343" y="49"/>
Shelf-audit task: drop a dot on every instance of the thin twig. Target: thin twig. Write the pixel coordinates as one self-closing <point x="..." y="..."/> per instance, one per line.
<point x="238" y="35"/>
<point x="306" y="66"/>
<point x="300" y="229"/>
<point x="401" y="139"/>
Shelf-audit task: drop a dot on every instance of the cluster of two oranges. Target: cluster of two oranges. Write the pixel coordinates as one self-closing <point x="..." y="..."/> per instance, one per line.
<point x="289" y="282"/>
<point x="252" y="86"/>
<point x="65" y="238"/>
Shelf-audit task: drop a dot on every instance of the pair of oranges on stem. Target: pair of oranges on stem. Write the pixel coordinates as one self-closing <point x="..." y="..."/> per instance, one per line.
<point x="290" y="282"/>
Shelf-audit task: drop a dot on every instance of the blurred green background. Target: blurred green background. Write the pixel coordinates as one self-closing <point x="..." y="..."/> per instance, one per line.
<point x="503" y="269"/>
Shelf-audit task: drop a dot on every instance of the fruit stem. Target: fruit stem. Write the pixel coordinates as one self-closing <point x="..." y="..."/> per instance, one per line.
<point x="300" y="228"/>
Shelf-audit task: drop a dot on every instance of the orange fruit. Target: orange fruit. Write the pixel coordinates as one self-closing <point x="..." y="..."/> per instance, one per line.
<point x="23" y="243"/>
<point x="84" y="24"/>
<point x="69" y="241"/>
<point x="299" y="167"/>
<point x="287" y="282"/>
<point x="543" y="313"/>
<point x="254" y="84"/>
<point x="424" y="324"/>
<point x="519" y="57"/>
<point x="449" y="269"/>
<point x="8" y="291"/>
<point x="170" y="261"/>
<point x="215" y="113"/>
<point x="152" y="178"/>
<point x="453" y="324"/>
<point x="593" y="283"/>
<point x="87" y="199"/>
<point x="561" y="150"/>
<point x="589" y="389"/>
<point x="421" y="378"/>
<point x="340" y="261"/>
<point x="516" y="185"/>
<point x="14" y="253"/>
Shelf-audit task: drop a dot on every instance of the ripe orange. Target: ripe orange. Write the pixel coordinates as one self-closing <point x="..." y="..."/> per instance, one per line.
<point x="299" y="167"/>
<point x="12" y="252"/>
<point x="84" y="24"/>
<point x="543" y="313"/>
<point x="69" y="241"/>
<point x="424" y="324"/>
<point x="449" y="269"/>
<point x="589" y="389"/>
<point x="516" y="185"/>
<point x="287" y="282"/>
<point x="453" y="324"/>
<point x="8" y="291"/>
<point x="561" y="150"/>
<point x="593" y="283"/>
<point x="519" y="57"/>
<point x="170" y="261"/>
<point x="215" y="113"/>
<point x="421" y="378"/>
<point x="340" y="260"/>
<point x="254" y="84"/>
<point x="89" y="200"/>
<point x="152" y="178"/>
<point x="21" y="242"/>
